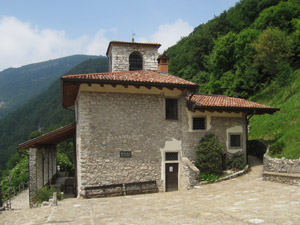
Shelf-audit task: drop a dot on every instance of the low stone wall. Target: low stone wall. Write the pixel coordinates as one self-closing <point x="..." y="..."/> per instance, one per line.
<point x="190" y="174"/>
<point x="281" y="170"/>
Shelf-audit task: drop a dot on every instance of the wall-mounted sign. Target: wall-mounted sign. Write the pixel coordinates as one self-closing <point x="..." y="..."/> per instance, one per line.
<point x="125" y="154"/>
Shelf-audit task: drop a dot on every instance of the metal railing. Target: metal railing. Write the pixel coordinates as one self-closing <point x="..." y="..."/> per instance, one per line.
<point x="5" y="197"/>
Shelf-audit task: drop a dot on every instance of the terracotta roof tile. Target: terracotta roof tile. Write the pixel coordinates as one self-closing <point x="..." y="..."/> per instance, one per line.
<point x="199" y="101"/>
<point x="128" y="77"/>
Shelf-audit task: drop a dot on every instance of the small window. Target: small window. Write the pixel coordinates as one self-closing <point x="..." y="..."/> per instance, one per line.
<point x="171" y="156"/>
<point x="171" y="109"/>
<point x="235" y="140"/>
<point x="135" y="61"/>
<point x="199" y="123"/>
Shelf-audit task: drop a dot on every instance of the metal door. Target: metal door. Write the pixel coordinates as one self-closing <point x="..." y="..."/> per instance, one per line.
<point x="171" y="176"/>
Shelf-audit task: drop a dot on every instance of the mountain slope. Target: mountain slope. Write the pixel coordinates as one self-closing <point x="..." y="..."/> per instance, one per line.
<point x="18" y="85"/>
<point x="40" y="113"/>
<point x="225" y="56"/>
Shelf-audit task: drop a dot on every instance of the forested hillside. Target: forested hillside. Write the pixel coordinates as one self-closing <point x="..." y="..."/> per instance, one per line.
<point x="243" y="49"/>
<point x="18" y="85"/>
<point x="250" y="51"/>
<point x="41" y="113"/>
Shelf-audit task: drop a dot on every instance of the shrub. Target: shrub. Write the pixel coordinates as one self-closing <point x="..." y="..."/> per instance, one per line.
<point x="236" y="162"/>
<point x="15" y="176"/>
<point x="209" y="155"/>
<point x="276" y="148"/>
<point x="44" y="194"/>
<point x="65" y="164"/>
<point x="209" y="177"/>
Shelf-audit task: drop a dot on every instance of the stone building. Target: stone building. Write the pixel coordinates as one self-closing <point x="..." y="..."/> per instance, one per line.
<point x="137" y="123"/>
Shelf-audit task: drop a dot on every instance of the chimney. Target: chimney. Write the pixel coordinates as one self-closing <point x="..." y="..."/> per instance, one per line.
<point x="162" y="64"/>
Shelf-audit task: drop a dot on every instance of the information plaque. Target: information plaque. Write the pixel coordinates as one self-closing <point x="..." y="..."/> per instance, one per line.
<point x="125" y="154"/>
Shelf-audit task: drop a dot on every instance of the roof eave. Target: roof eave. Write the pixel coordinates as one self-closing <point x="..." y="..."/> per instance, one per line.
<point x="67" y="130"/>
<point x="236" y="109"/>
<point x="192" y="88"/>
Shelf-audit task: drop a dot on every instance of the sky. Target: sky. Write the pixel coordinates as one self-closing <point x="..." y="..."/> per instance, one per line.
<point x="34" y="31"/>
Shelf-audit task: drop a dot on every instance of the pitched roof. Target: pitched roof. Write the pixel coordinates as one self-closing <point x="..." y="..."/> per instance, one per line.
<point x="124" y="43"/>
<point x="70" y="83"/>
<point x="138" y="76"/>
<point x="53" y="137"/>
<point x="224" y="103"/>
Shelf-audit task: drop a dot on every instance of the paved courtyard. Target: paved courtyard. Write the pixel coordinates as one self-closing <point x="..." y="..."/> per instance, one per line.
<point x="244" y="200"/>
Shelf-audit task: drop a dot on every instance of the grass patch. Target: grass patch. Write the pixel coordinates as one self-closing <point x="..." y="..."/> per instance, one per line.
<point x="282" y="126"/>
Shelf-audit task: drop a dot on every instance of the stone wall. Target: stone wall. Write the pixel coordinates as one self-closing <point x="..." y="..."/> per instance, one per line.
<point x="111" y="122"/>
<point x="189" y="175"/>
<point x="220" y="124"/>
<point x="119" y="57"/>
<point x="281" y="170"/>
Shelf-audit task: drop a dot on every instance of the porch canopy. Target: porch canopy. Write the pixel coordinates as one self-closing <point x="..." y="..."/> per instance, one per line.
<point x="51" y="138"/>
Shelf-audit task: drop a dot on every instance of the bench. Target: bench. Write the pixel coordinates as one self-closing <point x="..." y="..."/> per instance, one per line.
<point x="121" y="189"/>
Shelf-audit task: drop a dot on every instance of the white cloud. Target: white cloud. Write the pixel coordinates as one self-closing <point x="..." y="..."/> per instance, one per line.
<point x="169" y="34"/>
<point x="99" y="43"/>
<point x="22" y="44"/>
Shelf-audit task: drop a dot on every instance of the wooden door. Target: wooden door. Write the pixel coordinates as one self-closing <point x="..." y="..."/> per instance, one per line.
<point x="171" y="176"/>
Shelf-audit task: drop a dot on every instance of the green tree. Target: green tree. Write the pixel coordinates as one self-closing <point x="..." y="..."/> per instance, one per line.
<point x="272" y="52"/>
<point x="221" y="63"/>
<point x="279" y="16"/>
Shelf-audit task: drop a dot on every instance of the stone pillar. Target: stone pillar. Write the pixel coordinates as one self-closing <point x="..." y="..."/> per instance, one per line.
<point x="50" y="165"/>
<point x="34" y="158"/>
<point x="1" y="202"/>
<point x="39" y="168"/>
<point x="46" y="166"/>
<point x="54" y="167"/>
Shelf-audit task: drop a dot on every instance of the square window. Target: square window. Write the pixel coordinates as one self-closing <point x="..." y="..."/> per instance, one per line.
<point x="171" y="156"/>
<point x="171" y="109"/>
<point x="199" y="123"/>
<point x="235" y="140"/>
